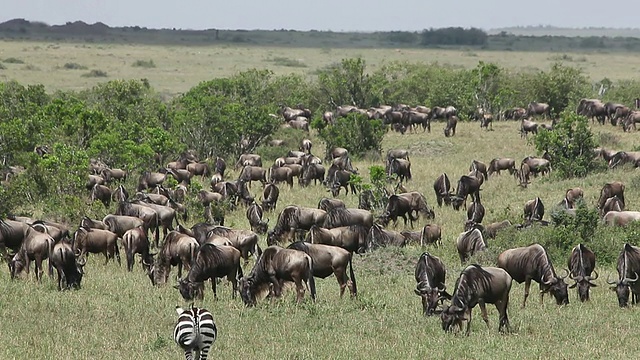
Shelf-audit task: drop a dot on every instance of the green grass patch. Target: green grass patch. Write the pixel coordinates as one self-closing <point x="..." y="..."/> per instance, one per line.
<point x="144" y="64"/>
<point x="73" y="66"/>
<point x="95" y="73"/>
<point x="287" y="62"/>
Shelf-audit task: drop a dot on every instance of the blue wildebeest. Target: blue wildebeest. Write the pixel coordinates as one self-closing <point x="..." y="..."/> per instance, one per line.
<point x="582" y="262"/>
<point x="430" y="275"/>
<point x="628" y="270"/>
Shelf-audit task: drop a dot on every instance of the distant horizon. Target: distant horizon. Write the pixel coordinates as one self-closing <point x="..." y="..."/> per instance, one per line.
<point x="540" y="26"/>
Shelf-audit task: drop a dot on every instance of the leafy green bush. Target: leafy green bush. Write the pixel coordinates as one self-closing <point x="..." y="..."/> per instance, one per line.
<point x="95" y="73"/>
<point x="73" y="66"/>
<point x="354" y="132"/>
<point x="287" y="62"/>
<point x="570" y="146"/>
<point x="144" y="63"/>
<point x="292" y="139"/>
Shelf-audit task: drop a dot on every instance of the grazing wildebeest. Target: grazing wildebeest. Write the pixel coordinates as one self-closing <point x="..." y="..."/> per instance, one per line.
<point x="534" y="210"/>
<point x="270" y="196"/>
<point x="628" y="266"/>
<point x="135" y="241"/>
<point x="338" y="217"/>
<point x="492" y="229"/>
<point x="149" y="180"/>
<point x="621" y="218"/>
<point x="281" y="174"/>
<point x="537" y="165"/>
<point x="328" y="260"/>
<point x="533" y="263"/>
<point x="401" y="168"/>
<point x="251" y="173"/>
<point x="582" y="262"/>
<point x="244" y="240"/>
<point x="468" y="243"/>
<point x="430" y="275"/>
<point x="294" y="218"/>
<point x="328" y="204"/>
<point x="211" y="262"/>
<point x="478" y="285"/>
<point x="536" y="108"/>
<point x="450" y="129"/>
<point x="68" y="266"/>
<point x="528" y="126"/>
<point x="96" y="241"/>
<point x="55" y="230"/>
<point x="405" y="204"/>
<point x="248" y="159"/>
<point x="442" y="188"/>
<point x="516" y="113"/>
<point x="438" y="112"/>
<point x="313" y="172"/>
<point x="351" y="238"/>
<point x="94" y="180"/>
<point x="397" y="154"/>
<point x="120" y="194"/>
<point x="571" y="196"/>
<point x="148" y="215"/>
<point x="177" y="249"/>
<point x="610" y="190"/>
<point x="480" y="167"/>
<point x="467" y="185"/>
<point x="199" y="168"/>
<point x="624" y="157"/>
<point x="475" y="212"/>
<point x="34" y="246"/>
<point x="380" y="237"/>
<point x="254" y="215"/>
<point x="101" y="193"/>
<point x="305" y="146"/>
<point x="273" y="268"/>
<point x="612" y="204"/>
<point x="337" y="179"/>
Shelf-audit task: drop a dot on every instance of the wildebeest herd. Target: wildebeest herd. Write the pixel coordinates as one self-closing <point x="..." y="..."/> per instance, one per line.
<point x="322" y="239"/>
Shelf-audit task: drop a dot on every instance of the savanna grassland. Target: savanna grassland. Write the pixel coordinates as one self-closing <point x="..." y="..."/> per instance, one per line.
<point x="173" y="69"/>
<point x="120" y="315"/>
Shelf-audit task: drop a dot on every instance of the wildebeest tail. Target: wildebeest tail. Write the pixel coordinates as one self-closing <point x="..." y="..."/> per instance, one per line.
<point x="50" y="243"/>
<point x="239" y="275"/>
<point x="352" y="275"/>
<point x="157" y="230"/>
<point x="311" y="281"/>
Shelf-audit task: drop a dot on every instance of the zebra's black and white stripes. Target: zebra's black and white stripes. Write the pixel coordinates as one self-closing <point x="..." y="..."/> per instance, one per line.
<point x="195" y="331"/>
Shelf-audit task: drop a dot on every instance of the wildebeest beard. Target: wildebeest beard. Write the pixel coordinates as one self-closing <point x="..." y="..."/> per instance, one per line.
<point x="465" y="297"/>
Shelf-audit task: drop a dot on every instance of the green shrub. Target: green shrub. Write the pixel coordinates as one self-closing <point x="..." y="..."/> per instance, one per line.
<point x="283" y="61"/>
<point x="95" y="73"/>
<point x="144" y="63"/>
<point x="74" y="66"/>
<point x="292" y="139"/>
<point x="570" y="146"/>
<point x="13" y="60"/>
<point x="2" y="67"/>
<point x="354" y="132"/>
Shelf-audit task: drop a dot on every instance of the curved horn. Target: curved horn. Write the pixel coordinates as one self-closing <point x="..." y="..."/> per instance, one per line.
<point x="589" y="278"/>
<point x="82" y="261"/>
<point x="627" y="280"/>
<point x="563" y="277"/>
<point x="611" y="282"/>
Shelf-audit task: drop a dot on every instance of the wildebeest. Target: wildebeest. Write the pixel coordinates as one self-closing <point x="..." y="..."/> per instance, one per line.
<point x="430" y="234"/>
<point x="328" y="260"/>
<point x="533" y="263"/>
<point x="34" y="246"/>
<point x="610" y="190"/>
<point x="468" y="243"/>
<point x="96" y="241"/>
<point x="313" y="172"/>
<point x="537" y="165"/>
<point x="467" y="185"/>
<point x="401" y="168"/>
<point x="328" y="204"/>
<point x="254" y="215"/>
<point x="397" y="154"/>
<point x="270" y="196"/>
<point x="149" y="180"/>
<point x="536" y="108"/>
<point x="148" y="215"/>
<point x="492" y="229"/>
<point x="294" y="218"/>
<point x="275" y="266"/>
<point x="442" y="188"/>
<point x="625" y="157"/>
<point x="438" y="112"/>
<point x="251" y="173"/>
<point x="244" y="240"/>
<point x="338" y="217"/>
<point x="211" y="262"/>
<point x="430" y="275"/>
<point x="135" y="241"/>
<point x="405" y="204"/>
<point x="612" y="204"/>
<point x="248" y="159"/>
<point x="534" y="210"/>
<point x="101" y="193"/>
<point x="177" y="249"/>
<point x="68" y="266"/>
<point x="281" y="174"/>
<point x="380" y="237"/>
<point x="528" y="126"/>
<point x="475" y="212"/>
<point x="478" y="285"/>
<point x="480" y="167"/>
<point x="351" y="238"/>
<point x="582" y="262"/>
<point x="515" y="113"/>
<point x="628" y="266"/>
<point x="572" y="196"/>
<point x="621" y="218"/>
<point x="337" y="179"/>
<point x="450" y="129"/>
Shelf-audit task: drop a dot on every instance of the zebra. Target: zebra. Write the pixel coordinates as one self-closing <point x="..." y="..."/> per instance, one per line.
<point x="195" y="331"/>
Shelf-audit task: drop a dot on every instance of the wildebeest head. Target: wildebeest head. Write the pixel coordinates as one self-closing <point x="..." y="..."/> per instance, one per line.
<point x="190" y="290"/>
<point x="246" y="291"/>
<point x="452" y="317"/>
<point x="622" y="290"/>
<point x="558" y="288"/>
<point x="583" y="283"/>
<point x="430" y="296"/>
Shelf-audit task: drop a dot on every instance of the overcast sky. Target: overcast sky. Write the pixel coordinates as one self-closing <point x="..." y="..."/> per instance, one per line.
<point x="336" y="15"/>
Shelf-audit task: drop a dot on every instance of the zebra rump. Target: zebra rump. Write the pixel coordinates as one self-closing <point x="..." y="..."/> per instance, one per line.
<point x="195" y="331"/>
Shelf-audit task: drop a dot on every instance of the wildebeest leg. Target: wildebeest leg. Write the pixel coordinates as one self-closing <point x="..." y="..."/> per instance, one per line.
<point x="106" y="256"/>
<point x="38" y="267"/>
<point x="502" y="306"/>
<point x="213" y="287"/>
<point x="341" y="276"/>
<point x="60" y="275"/>
<point x="483" y="309"/>
<point x="541" y="295"/>
<point x="527" y="285"/>
<point x="117" y="253"/>
<point x="468" y="312"/>
<point x="180" y="270"/>
<point x="299" y="289"/>
<point x="131" y="260"/>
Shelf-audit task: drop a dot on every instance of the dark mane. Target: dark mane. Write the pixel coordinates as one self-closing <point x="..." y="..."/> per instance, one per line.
<point x="300" y="246"/>
<point x="209" y="256"/>
<point x="286" y="218"/>
<point x="259" y="273"/>
<point x="628" y="261"/>
<point x="471" y="280"/>
<point x="541" y="258"/>
<point x="337" y="216"/>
